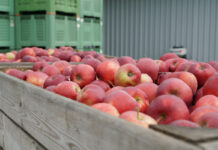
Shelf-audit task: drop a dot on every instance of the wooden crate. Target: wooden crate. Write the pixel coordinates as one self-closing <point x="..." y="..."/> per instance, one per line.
<point x="53" y="122"/>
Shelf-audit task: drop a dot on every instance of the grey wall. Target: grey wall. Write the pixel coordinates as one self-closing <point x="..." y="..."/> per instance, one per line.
<point x="150" y="27"/>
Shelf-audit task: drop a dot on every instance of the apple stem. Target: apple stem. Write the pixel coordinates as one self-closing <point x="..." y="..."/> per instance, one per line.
<point x="138" y="117"/>
<point x="161" y="117"/>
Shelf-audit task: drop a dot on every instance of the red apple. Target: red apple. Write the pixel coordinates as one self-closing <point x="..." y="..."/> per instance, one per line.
<point x="207" y="100"/>
<point x="127" y="75"/>
<point x="92" y="62"/>
<point x="75" y="58"/>
<point x="106" y="71"/>
<point x="36" y="78"/>
<point x="149" y="66"/>
<point x="174" y="63"/>
<point x="51" y="88"/>
<point x="28" y="58"/>
<point x="26" y="52"/>
<point x="42" y="52"/>
<point x="214" y="64"/>
<point x="198" y="94"/>
<point x="150" y="89"/>
<point x="176" y="87"/>
<point x="188" y="78"/>
<point x="50" y="70"/>
<point x="116" y="88"/>
<point x="162" y="66"/>
<point x="107" y="108"/>
<point x="16" y="73"/>
<point x="61" y="65"/>
<point x="68" y="89"/>
<point x="140" y="97"/>
<point x="168" y="108"/>
<point x="38" y="66"/>
<point x="83" y="74"/>
<point x="184" y="66"/>
<point x="100" y="57"/>
<point x="126" y="60"/>
<point x="200" y="111"/>
<point x="167" y="56"/>
<point x="91" y="94"/>
<point x="121" y="100"/>
<point x="184" y="123"/>
<point x="54" y="80"/>
<point x="211" y="86"/>
<point x="202" y="71"/>
<point x="2" y="56"/>
<point x="101" y="84"/>
<point x="65" y="55"/>
<point x="209" y="120"/>
<point x="162" y="76"/>
<point x="138" y="118"/>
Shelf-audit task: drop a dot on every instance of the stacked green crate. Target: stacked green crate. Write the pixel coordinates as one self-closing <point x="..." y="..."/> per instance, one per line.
<point x="50" y="6"/>
<point x="91" y="8"/>
<point x="48" y="31"/>
<point x="6" y="25"/>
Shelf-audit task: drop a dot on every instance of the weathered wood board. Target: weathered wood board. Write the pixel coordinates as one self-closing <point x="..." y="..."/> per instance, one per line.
<point x="14" y="138"/>
<point x="59" y="123"/>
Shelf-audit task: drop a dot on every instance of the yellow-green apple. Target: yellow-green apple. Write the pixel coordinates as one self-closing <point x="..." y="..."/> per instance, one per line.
<point x="54" y="80"/>
<point x="75" y="58"/>
<point x="121" y="100"/>
<point x="209" y="120"/>
<point x="92" y="62"/>
<point x="140" y="97"/>
<point x="184" y="123"/>
<point x="126" y="60"/>
<point x="168" y="108"/>
<point x="176" y="87"/>
<point x="10" y="55"/>
<point x="167" y="56"/>
<point x="50" y="70"/>
<point x="107" y="108"/>
<point x="50" y="51"/>
<point x="150" y="89"/>
<point x="127" y="75"/>
<point x="106" y="71"/>
<point x="200" y="111"/>
<point x="102" y="84"/>
<point x="83" y="74"/>
<point x="211" y="86"/>
<point x="145" y="78"/>
<point x="138" y="118"/>
<point x="149" y="66"/>
<point x="202" y="72"/>
<point x="214" y="64"/>
<point x="68" y="89"/>
<point x="207" y="100"/>
<point x="38" y="66"/>
<point x="16" y="73"/>
<point x="91" y="94"/>
<point x="61" y="65"/>
<point x="36" y="78"/>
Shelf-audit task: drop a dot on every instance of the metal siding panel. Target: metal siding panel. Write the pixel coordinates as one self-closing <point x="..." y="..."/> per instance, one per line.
<point x="150" y="27"/>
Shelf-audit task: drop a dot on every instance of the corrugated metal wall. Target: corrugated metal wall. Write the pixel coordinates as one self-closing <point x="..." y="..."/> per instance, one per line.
<point x="151" y="27"/>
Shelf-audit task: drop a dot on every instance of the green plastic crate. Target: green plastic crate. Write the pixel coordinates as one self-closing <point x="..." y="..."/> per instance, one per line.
<point x="47" y="31"/>
<point x="7" y="6"/>
<point x="92" y="48"/>
<point x="7" y="31"/>
<point x="91" y="8"/>
<point x="50" y="6"/>
<point x="90" y="32"/>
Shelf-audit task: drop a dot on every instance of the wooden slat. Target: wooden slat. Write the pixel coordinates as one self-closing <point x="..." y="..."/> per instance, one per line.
<point x="1" y="129"/>
<point x="62" y="124"/>
<point x="15" y="138"/>
<point x="210" y="145"/>
<point x="189" y="134"/>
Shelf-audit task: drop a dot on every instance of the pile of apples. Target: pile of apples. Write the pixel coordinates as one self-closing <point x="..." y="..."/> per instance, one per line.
<point x="171" y="90"/>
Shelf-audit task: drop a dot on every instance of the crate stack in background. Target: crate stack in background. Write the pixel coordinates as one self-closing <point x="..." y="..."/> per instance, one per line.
<point x="46" y="23"/>
<point x="91" y="25"/>
<point x="7" y="25"/>
<point x="56" y="23"/>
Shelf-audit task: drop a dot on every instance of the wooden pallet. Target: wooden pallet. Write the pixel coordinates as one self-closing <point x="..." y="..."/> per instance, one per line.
<point x="35" y="119"/>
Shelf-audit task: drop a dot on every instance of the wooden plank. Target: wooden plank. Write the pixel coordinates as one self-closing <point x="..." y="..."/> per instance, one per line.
<point x="210" y="145"/>
<point x="62" y="124"/>
<point x="1" y="129"/>
<point x="189" y="134"/>
<point x="15" y="138"/>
